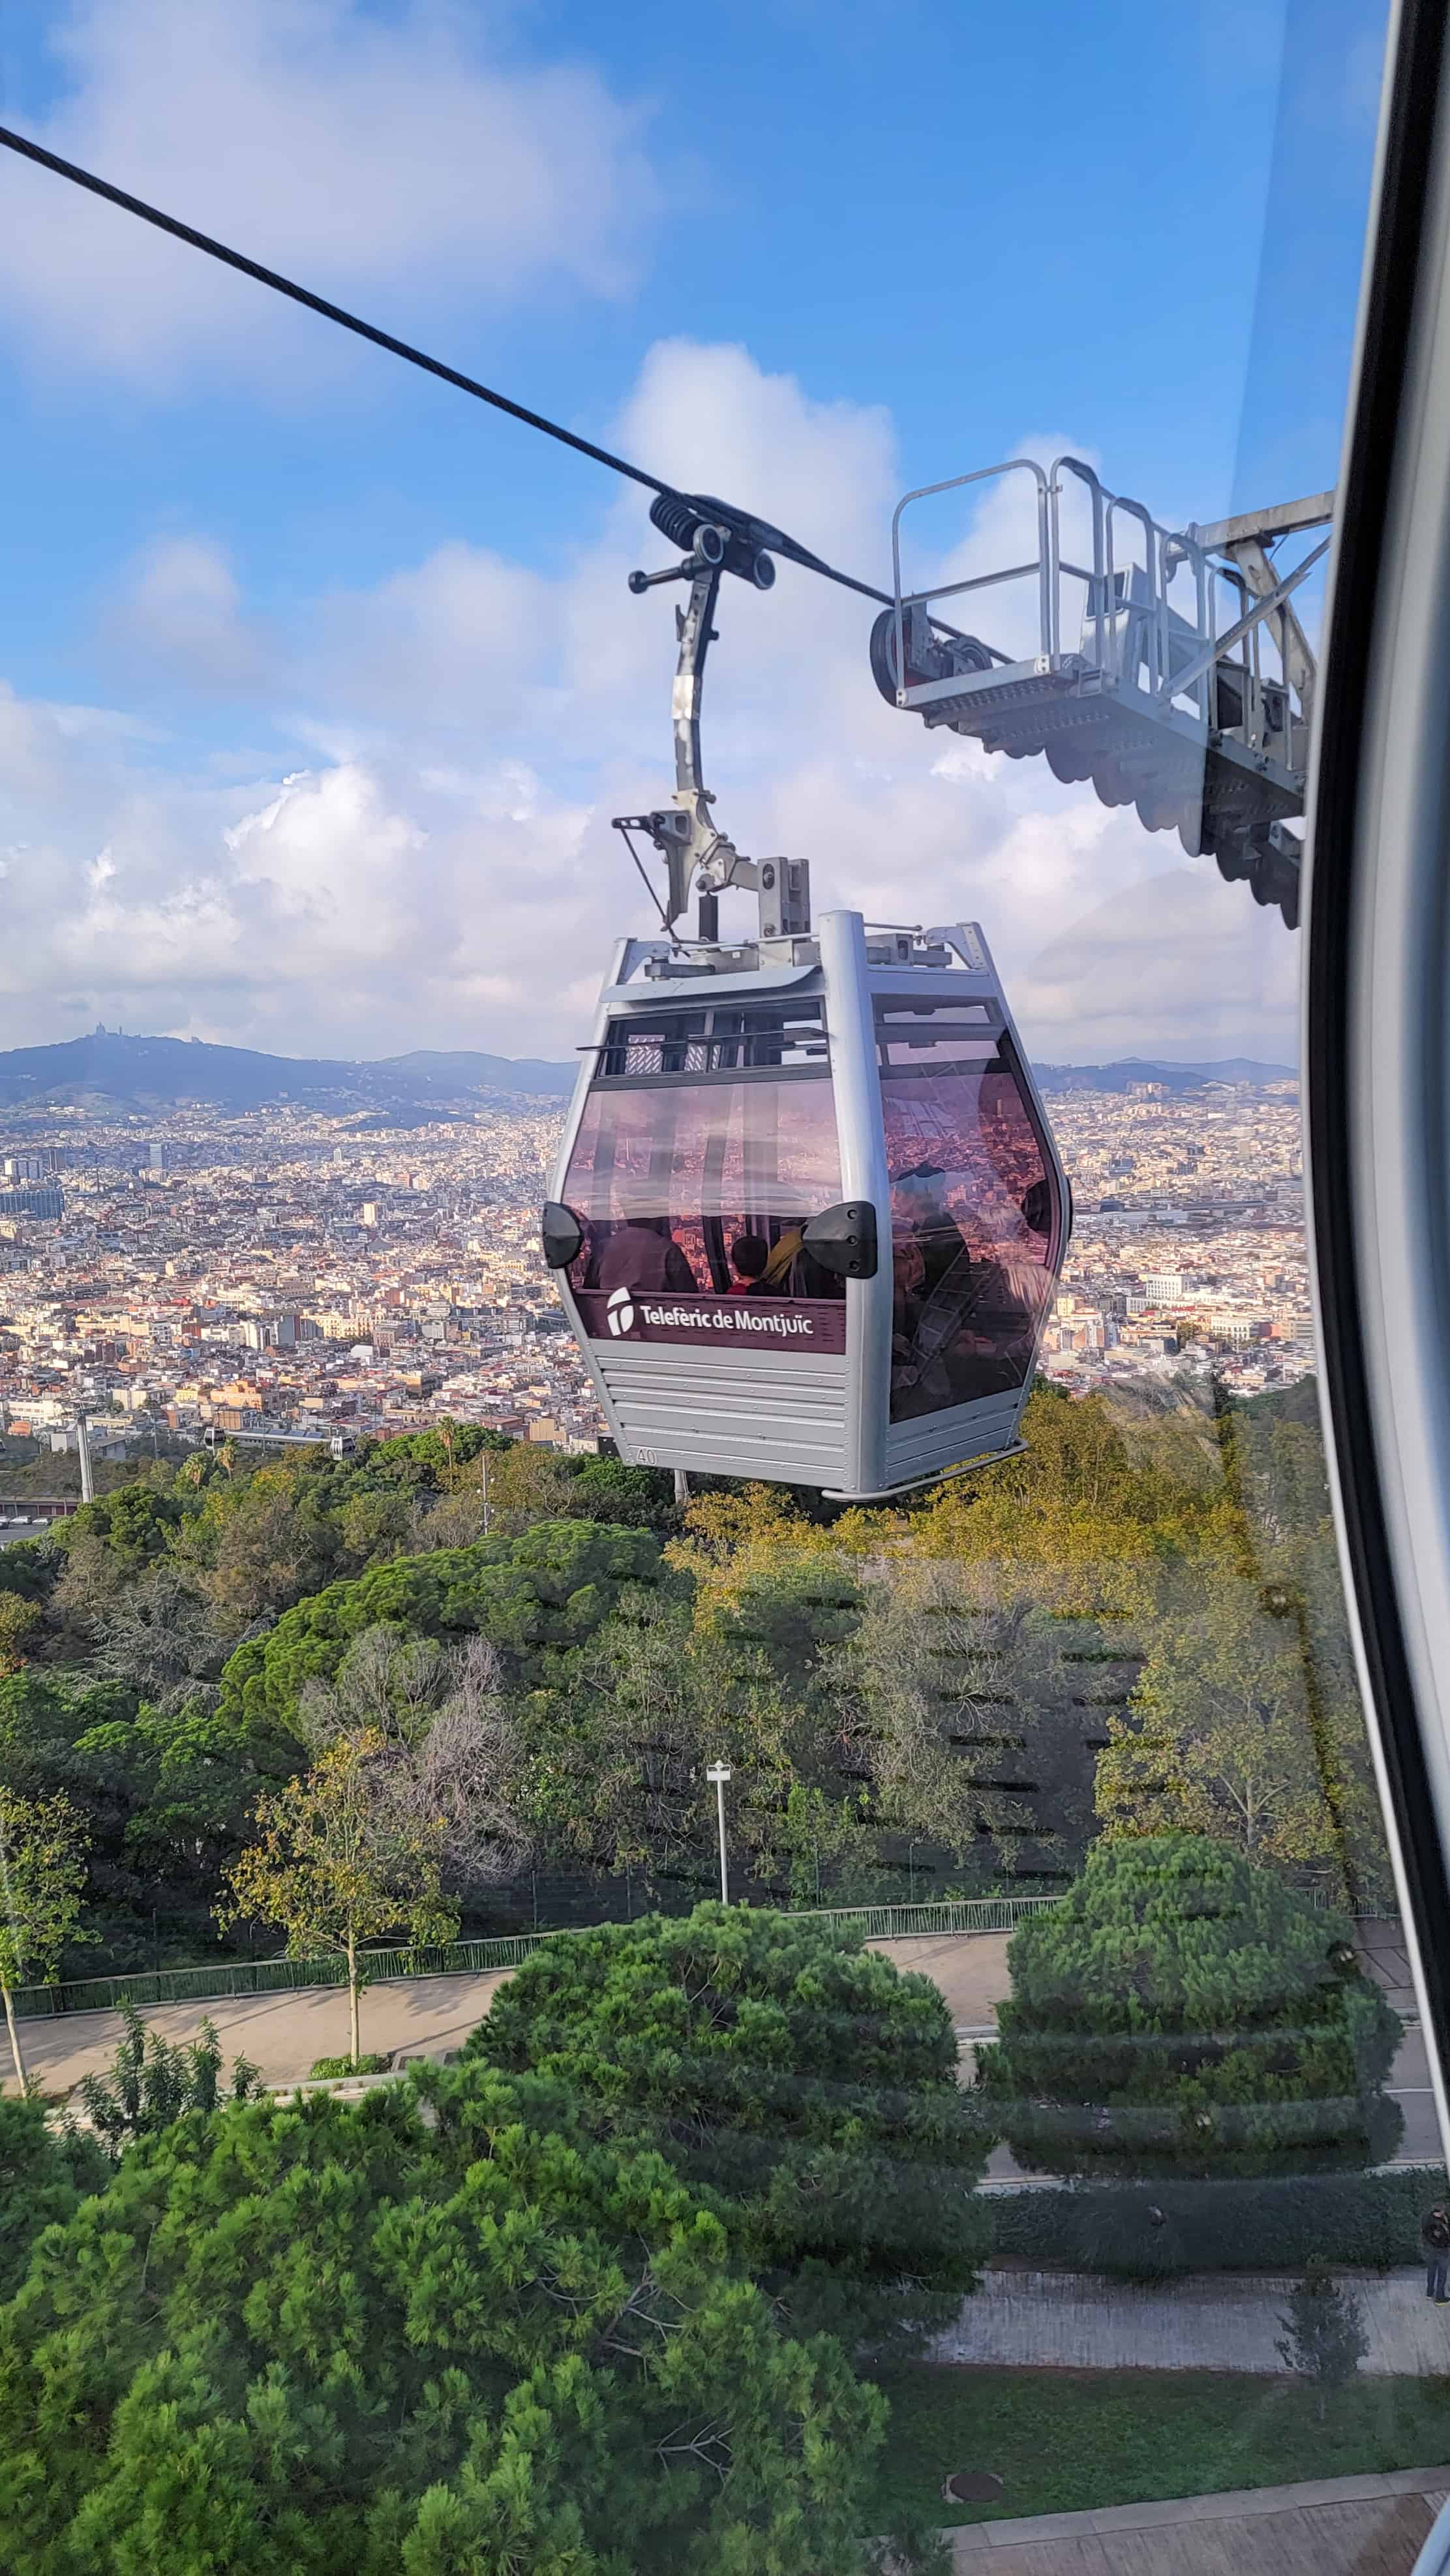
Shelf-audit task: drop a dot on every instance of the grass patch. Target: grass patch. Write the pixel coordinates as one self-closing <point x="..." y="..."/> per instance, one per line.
<point x="1067" y="2441"/>
<point x="351" y="2065"/>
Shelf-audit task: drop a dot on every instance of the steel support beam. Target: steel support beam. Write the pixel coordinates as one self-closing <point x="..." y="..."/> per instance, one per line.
<point x="1285" y="519"/>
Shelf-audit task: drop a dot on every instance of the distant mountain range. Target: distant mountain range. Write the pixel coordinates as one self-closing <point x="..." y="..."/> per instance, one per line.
<point x="142" y="1073"/>
<point x="158" y="1072"/>
<point x="1174" y="1077"/>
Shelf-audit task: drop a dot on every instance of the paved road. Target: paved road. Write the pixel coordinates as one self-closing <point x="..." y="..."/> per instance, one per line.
<point x="284" y="2033"/>
<point x="1201" y="2321"/>
<point x="1364" y="2526"/>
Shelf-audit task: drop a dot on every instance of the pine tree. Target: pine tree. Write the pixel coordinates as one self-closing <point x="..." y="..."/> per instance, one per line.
<point x="442" y="2330"/>
<point x="1326" y="2340"/>
<point x="795" y="2076"/>
<point x="1183" y="2012"/>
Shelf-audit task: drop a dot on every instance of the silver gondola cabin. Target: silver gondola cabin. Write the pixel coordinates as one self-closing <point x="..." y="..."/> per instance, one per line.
<point x="807" y="1217"/>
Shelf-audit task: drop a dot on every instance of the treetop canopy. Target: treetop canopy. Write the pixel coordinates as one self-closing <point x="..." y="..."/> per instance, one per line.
<point x="775" y="1990"/>
<point x="436" y="2330"/>
<point x="1177" y="1932"/>
<point x="1184" y="2010"/>
<point x="536" y="1597"/>
<point x="797" y="2079"/>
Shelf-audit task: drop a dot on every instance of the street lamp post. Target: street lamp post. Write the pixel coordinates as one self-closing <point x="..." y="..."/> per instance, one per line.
<point x="719" y="1772"/>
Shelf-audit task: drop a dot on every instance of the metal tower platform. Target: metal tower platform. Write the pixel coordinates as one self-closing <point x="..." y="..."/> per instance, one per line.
<point x="1185" y="690"/>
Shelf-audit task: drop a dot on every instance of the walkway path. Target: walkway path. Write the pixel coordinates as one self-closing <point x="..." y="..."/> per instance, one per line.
<point x="284" y="2033"/>
<point x="1364" y="2526"/>
<point x="1202" y="2321"/>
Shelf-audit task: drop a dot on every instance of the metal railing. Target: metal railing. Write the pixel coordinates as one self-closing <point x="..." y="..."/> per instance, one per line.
<point x="944" y="1916"/>
<point x="1134" y="629"/>
<point x="216" y="1980"/>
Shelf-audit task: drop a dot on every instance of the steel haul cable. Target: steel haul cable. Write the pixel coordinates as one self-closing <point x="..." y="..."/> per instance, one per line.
<point x="778" y="542"/>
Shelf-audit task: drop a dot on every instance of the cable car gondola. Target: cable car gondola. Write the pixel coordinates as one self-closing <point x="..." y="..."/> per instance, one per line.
<point x="807" y="1215"/>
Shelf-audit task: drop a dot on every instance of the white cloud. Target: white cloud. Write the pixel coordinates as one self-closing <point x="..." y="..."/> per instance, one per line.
<point x="438" y="867"/>
<point x="183" y="610"/>
<point x="352" y="152"/>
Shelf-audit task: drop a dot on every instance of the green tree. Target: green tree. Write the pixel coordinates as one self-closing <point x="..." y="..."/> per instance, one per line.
<point x="439" y="2331"/>
<point x="1324" y="2338"/>
<point x="93" y="1581"/>
<point x="795" y="2077"/>
<point x="31" y="1568"/>
<point x="19" y="1621"/>
<point x="377" y="1526"/>
<point x="150" y="2082"/>
<point x="43" y="1843"/>
<point x="136" y="1525"/>
<point x="185" y="1781"/>
<point x="338" y="1865"/>
<point x="537" y="1598"/>
<point x="1222" y="1735"/>
<point x="1095" y="1490"/>
<point x="1184" y="2012"/>
<point x="604" y="1489"/>
<point x="44" y="2176"/>
<point x="965" y="1715"/>
<point x="262" y="1543"/>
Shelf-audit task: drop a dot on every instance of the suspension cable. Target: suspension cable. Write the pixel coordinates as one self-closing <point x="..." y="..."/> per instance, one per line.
<point x="147" y="214"/>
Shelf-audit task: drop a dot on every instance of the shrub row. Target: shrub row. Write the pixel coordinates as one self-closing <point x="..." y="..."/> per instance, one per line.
<point x="1152" y="2231"/>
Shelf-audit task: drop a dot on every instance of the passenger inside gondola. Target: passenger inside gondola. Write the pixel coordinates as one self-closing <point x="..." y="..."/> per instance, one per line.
<point x="749" y="1254"/>
<point x="970" y="1220"/>
<point x="642" y="1253"/>
<point x="700" y="1177"/>
<point x="920" y="1216"/>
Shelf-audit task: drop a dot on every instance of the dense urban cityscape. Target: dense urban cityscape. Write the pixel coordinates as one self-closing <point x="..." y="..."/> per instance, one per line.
<point x="280" y="1271"/>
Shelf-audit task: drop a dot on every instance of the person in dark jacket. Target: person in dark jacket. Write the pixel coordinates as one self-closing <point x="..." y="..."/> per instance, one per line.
<point x="1435" y="2237"/>
<point x="643" y="1254"/>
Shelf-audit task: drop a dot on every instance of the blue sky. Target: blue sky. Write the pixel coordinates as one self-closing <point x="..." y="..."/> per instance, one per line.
<point x="323" y="681"/>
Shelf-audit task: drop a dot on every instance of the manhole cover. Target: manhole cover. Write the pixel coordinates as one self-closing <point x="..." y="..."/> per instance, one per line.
<point x="971" y="2486"/>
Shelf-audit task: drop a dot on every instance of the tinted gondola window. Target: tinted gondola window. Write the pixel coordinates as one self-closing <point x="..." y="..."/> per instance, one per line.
<point x="705" y="1186"/>
<point x="972" y="1215"/>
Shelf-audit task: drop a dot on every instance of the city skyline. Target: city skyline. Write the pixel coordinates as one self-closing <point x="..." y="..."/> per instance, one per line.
<point x="282" y="1272"/>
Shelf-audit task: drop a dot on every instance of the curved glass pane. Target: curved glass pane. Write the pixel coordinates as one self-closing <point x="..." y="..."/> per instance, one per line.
<point x="972" y="1219"/>
<point x="705" y="1186"/>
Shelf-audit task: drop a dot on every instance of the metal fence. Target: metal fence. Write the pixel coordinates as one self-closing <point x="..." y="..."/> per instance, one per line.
<point x="471" y="1958"/>
<point x="945" y="1915"/>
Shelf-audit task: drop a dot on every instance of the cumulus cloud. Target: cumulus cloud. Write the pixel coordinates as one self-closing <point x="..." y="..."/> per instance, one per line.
<point x="437" y="866"/>
<point x="354" y="151"/>
<point x="182" y="609"/>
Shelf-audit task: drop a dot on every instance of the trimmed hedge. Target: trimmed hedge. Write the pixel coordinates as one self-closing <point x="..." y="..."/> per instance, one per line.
<point x="1153" y="2231"/>
<point x="1185" y="2014"/>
